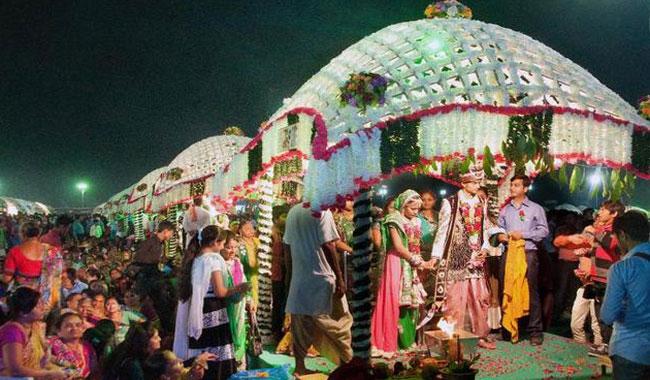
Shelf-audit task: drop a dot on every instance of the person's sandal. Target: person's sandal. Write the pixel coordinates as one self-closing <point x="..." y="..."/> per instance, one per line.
<point x="484" y="343"/>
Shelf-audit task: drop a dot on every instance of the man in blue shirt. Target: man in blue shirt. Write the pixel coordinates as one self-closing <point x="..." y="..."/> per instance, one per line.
<point x="525" y="220"/>
<point x="627" y="299"/>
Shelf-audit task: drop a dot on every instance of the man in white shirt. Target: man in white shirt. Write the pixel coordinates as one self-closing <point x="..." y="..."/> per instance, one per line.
<point x="195" y="219"/>
<point x="316" y="301"/>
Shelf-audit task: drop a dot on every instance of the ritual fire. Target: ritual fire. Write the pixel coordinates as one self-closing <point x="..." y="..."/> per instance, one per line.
<point x="449" y="342"/>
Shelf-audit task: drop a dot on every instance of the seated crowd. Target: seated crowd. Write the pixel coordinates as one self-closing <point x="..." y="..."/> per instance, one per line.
<point x="82" y="299"/>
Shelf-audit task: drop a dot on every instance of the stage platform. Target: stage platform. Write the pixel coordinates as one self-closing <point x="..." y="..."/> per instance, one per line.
<point x="557" y="358"/>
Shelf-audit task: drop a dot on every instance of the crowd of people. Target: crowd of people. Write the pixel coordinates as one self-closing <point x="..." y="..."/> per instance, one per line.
<point x="82" y="299"/>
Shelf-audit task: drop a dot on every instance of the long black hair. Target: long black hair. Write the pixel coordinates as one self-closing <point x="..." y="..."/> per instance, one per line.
<point x="134" y="348"/>
<point x="22" y="301"/>
<point x="205" y="238"/>
<point x="156" y="365"/>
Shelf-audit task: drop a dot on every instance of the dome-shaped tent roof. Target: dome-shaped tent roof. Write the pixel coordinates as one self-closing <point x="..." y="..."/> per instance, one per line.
<point x="118" y="202"/>
<point x="144" y="188"/>
<point x="15" y="205"/>
<point x="144" y="185"/>
<point x="444" y="61"/>
<point x="202" y="159"/>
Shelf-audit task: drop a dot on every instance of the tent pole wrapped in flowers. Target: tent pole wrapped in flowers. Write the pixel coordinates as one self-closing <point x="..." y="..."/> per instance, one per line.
<point x="139" y="202"/>
<point x="455" y="93"/>
<point x="271" y="166"/>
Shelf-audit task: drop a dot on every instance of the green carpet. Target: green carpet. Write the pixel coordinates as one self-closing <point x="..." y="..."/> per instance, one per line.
<point x="268" y="359"/>
<point x="557" y="358"/>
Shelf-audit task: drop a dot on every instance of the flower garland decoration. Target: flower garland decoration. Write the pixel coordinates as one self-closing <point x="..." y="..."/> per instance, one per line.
<point x="473" y="222"/>
<point x="174" y="174"/>
<point x="289" y="190"/>
<point x="255" y="160"/>
<point x="141" y="187"/>
<point x="448" y="9"/>
<point x="284" y="169"/>
<point x="197" y="188"/>
<point x="233" y="131"/>
<point x="364" y="89"/>
<point x="399" y="144"/>
<point x="644" y="107"/>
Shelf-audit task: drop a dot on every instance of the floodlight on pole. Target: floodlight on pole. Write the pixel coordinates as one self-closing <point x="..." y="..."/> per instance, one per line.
<point x="82" y="186"/>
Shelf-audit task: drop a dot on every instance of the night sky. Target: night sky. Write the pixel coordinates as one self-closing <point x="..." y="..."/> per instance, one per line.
<point x="106" y="91"/>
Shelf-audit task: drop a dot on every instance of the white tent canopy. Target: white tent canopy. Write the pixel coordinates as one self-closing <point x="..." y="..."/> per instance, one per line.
<point x="140" y="197"/>
<point x="444" y="61"/>
<point x="13" y="206"/>
<point x="198" y="162"/>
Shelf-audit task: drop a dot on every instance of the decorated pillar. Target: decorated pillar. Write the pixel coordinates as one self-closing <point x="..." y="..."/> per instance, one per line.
<point x="361" y="295"/>
<point x="172" y="248"/>
<point x="138" y="224"/>
<point x="265" y="223"/>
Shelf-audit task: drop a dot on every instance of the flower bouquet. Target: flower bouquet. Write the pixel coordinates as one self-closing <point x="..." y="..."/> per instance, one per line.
<point x="234" y="131"/>
<point x="644" y="107"/>
<point x="363" y="90"/>
<point x="448" y="9"/>
<point x="174" y="174"/>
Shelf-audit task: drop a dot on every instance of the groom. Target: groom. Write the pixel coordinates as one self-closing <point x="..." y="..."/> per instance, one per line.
<point x="460" y="247"/>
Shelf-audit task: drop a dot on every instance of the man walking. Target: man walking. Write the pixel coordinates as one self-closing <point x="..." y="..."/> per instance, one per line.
<point x="316" y="301"/>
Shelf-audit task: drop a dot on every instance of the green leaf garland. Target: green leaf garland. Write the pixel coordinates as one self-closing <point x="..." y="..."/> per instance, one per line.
<point x="286" y="168"/>
<point x="292" y="119"/>
<point x="613" y="184"/>
<point x="528" y="138"/>
<point x="255" y="160"/>
<point x="641" y="151"/>
<point x="399" y="145"/>
<point x="197" y="188"/>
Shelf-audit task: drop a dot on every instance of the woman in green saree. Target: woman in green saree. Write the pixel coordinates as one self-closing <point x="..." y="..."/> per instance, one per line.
<point x="236" y="304"/>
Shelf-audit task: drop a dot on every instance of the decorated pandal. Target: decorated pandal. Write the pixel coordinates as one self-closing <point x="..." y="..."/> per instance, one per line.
<point x="433" y="96"/>
<point x="15" y="206"/>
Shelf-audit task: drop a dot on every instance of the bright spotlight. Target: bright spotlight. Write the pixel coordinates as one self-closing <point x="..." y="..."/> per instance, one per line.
<point x="443" y="192"/>
<point x="595" y="178"/>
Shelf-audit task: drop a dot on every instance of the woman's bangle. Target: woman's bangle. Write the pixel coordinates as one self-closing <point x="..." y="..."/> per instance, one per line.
<point x="415" y="260"/>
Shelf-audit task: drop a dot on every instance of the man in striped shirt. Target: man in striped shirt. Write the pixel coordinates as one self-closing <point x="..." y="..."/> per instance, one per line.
<point x="603" y="254"/>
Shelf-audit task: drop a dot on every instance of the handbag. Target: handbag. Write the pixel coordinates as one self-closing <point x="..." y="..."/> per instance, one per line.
<point x="253" y="337"/>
